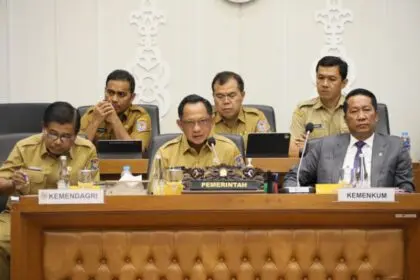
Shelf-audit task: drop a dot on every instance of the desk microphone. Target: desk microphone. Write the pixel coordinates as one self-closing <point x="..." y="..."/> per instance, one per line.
<point x="212" y="143"/>
<point x="299" y="189"/>
<point x="308" y="129"/>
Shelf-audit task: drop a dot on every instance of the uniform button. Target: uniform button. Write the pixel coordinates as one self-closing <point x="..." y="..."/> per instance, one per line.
<point x="269" y="259"/>
<point x="150" y="260"/>
<point x="198" y="260"/>
<point x="174" y="260"/>
<point x="293" y="259"/>
<point x="79" y="261"/>
<point x="103" y="261"/>
<point x="316" y="259"/>
<point x="342" y="260"/>
<point x="245" y="259"/>
<point x="127" y="259"/>
<point x="221" y="259"/>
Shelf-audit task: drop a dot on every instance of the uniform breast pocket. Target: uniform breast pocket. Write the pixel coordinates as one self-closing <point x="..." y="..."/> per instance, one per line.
<point x="36" y="181"/>
<point x="319" y="132"/>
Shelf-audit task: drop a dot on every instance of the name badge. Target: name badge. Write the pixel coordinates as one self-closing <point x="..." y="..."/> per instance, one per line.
<point x="318" y="125"/>
<point x="366" y="195"/>
<point x="56" y="196"/>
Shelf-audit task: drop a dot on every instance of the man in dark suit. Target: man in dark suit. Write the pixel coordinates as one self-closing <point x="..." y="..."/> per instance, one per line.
<point x="387" y="163"/>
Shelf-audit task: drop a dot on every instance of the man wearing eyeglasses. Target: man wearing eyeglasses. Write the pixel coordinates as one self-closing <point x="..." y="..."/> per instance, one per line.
<point x="191" y="149"/>
<point x="34" y="164"/>
<point x="230" y="116"/>
<point x="116" y="117"/>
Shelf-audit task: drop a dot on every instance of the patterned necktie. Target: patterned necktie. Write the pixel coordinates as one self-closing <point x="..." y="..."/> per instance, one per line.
<point x="356" y="164"/>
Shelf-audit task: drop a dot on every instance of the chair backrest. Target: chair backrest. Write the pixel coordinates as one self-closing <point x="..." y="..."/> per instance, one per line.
<point x="156" y="143"/>
<point x="8" y="141"/>
<point x="383" y="124"/>
<point x="268" y="112"/>
<point x="21" y="117"/>
<point x="159" y="140"/>
<point x="238" y="140"/>
<point x="152" y="110"/>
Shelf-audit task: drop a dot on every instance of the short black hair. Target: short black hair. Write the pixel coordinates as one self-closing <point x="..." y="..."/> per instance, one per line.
<point x="62" y="113"/>
<point x="192" y="99"/>
<point x="330" y="61"/>
<point x="222" y="77"/>
<point x="360" y="91"/>
<point x="122" y="75"/>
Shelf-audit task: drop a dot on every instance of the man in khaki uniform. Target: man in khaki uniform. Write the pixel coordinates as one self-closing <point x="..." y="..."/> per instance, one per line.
<point x="230" y="116"/>
<point x="116" y="117"/>
<point x="326" y="110"/>
<point x="34" y="164"/>
<point x="192" y="149"/>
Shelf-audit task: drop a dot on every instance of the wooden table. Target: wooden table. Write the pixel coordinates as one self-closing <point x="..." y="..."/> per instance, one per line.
<point x="168" y="234"/>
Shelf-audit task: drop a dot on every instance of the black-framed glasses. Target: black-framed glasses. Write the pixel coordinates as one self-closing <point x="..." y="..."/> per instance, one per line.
<point x="63" y="137"/>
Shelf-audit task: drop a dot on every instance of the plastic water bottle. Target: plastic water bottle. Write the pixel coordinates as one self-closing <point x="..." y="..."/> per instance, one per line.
<point x="64" y="174"/>
<point x="126" y="171"/>
<point x="406" y="141"/>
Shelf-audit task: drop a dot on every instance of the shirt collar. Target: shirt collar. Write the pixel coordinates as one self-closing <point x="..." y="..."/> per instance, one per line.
<point x="340" y="103"/>
<point x="218" y="118"/>
<point x="185" y="146"/>
<point x="369" y="141"/>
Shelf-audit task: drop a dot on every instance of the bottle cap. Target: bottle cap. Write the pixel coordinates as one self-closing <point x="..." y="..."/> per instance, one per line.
<point x="126" y="168"/>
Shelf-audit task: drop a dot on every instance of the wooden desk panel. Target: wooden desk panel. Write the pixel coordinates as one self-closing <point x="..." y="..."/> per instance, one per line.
<point x="200" y="212"/>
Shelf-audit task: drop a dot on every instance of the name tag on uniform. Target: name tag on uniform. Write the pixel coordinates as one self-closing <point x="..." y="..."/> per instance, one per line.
<point x="366" y="195"/>
<point x="101" y="129"/>
<point x="318" y="125"/>
<point x="56" y="196"/>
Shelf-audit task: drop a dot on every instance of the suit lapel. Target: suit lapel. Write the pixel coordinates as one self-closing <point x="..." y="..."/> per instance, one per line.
<point x="378" y="156"/>
<point x="340" y="151"/>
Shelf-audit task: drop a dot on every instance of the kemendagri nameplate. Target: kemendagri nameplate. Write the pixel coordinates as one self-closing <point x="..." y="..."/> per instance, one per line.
<point x="366" y="195"/>
<point x="48" y="196"/>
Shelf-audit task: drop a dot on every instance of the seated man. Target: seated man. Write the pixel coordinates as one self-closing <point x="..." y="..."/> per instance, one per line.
<point x="191" y="149"/>
<point x="116" y="117"/>
<point x="387" y="163"/>
<point x="230" y="116"/>
<point x="324" y="111"/>
<point x="34" y="164"/>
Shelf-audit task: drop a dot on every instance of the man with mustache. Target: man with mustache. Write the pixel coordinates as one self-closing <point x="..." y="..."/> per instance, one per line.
<point x="116" y="117"/>
<point x="324" y="111"/>
<point x="230" y="116"/>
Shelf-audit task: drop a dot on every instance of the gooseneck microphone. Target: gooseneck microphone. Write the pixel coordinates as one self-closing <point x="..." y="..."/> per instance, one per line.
<point x="308" y="130"/>
<point x="212" y="143"/>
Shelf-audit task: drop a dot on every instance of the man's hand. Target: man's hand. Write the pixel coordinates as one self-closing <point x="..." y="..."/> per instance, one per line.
<point x="19" y="179"/>
<point x="102" y="111"/>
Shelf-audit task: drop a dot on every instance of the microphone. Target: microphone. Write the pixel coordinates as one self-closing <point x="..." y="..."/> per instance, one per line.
<point x="212" y="143"/>
<point x="299" y="189"/>
<point x="309" y="127"/>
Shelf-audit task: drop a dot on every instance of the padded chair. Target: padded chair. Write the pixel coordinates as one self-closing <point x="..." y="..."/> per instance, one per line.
<point x="268" y="112"/>
<point x="161" y="139"/>
<point x="153" y="111"/>
<point x="21" y="117"/>
<point x="7" y="142"/>
<point x="383" y="124"/>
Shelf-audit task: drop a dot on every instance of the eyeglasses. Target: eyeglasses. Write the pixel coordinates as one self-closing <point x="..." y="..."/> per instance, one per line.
<point x="63" y="138"/>
<point x="192" y="123"/>
<point x="112" y="93"/>
<point x="229" y="96"/>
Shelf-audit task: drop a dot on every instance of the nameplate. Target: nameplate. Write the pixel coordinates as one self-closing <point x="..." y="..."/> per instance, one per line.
<point x="47" y="196"/>
<point x="224" y="185"/>
<point x="366" y="195"/>
<point x="299" y="189"/>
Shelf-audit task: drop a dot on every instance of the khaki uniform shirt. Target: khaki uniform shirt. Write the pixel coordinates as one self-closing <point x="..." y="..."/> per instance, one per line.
<point x="135" y="120"/>
<point x="178" y="153"/>
<point x="31" y="156"/>
<point x="249" y="120"/>
<point x="325" y="122"/>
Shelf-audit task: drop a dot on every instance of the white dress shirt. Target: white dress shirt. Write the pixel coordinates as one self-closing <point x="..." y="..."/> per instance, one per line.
<point x="351" y="153"/>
